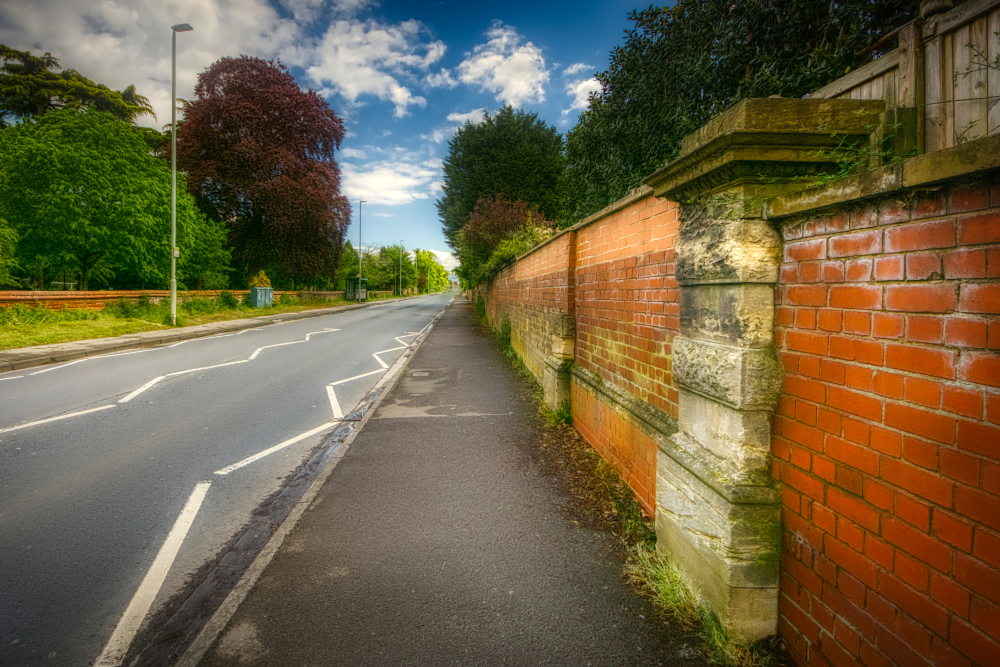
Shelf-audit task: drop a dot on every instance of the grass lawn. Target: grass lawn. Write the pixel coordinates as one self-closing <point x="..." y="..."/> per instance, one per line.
<point x="21" y="326"/>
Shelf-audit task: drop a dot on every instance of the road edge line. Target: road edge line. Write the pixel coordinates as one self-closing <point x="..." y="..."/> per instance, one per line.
<point x="194" y="654"/>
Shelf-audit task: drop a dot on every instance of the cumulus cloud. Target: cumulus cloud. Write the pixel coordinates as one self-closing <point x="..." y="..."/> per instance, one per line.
<point x="353" y="153"/>
<point x="446" y="259"/>
<point x="124" y="43"/>
<point x="579" y="93"/>
<point x="576" y="68"/>
<point x="474" y="116"/>
<point x="357" y="58"/>
<point x="120" y="44"/>
<point x="442" y="79"/>
<point x="400" y="179"/>
<point x="455" y="121"/>
<point x="503" y="65"/>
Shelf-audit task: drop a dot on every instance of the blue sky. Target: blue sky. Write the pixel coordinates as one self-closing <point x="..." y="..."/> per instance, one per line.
<point x="403" y="75"/>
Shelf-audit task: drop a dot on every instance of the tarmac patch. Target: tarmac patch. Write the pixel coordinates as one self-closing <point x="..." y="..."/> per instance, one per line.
<point x="241" y="644"/>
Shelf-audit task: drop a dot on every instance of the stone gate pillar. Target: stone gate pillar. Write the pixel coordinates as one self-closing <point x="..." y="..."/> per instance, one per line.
<point x="717" y="506"/>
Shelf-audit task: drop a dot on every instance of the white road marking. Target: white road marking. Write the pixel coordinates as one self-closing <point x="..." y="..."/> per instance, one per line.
<point x="52" y="419"/>
<point x="11" y="378"/>
<point x="205" y="368"/>
<point x="319" y="332"/>
<point x="281" y="445"/>
<point x="116" y="648"/>
<point x="259" y="349"/>
<point x="334" y="403"/>
<point x="190" y="370"/>
<point x="53" y="368"/>
<point x="141" y="389"/>
<point x="180" y="343"/>
<point x="379" y="359"/>
<point x="381" y="370"/>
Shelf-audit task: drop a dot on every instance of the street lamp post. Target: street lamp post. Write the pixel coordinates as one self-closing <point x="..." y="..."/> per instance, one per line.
<point x="361" y="266"/>
<point x="174" y="252"/>
<point x="401" y="268"/>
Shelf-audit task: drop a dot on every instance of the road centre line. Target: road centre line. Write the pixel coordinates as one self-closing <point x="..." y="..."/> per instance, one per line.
<point x="117" y="646"/>
<point x="281" y="445"/>
<point x="141" y="389"/>
<point x="260" y="349"/>
<point x="12" y="378"/>
<point x="356" y="377"/>
<point x="52" y="419"/>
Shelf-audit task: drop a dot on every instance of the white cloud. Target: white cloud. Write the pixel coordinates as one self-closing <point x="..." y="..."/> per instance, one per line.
<point x="442" y="79"/>
<point x="576" y="68"/>
<point x="119" y="44"/>
<point x="367" y="58"/>
<point x="579" y="93"/>
<point x="473" y="116"/>
<point x="400" y="179"/>
<point x="446" y="259"/>
<point x="353" y="153"/>
<point x="124" y="42"/>
<point x="503" y="65"/>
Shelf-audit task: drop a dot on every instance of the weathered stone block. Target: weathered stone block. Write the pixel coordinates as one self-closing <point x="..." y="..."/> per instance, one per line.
<point x="744" y="378"/>
<point x="730" y="549"/>
<point x="727" y="251"/>
<point x="556" y="380"/>
<point x="735" y="314"/>
<point x="742" y="437"/>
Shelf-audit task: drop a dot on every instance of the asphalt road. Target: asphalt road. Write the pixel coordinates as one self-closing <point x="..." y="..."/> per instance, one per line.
<point x="102" y="460"/>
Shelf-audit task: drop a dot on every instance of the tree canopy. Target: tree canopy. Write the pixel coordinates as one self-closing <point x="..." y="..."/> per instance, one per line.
<point x="259" y="153"/>
<point x="513" y="154"/>
<point x="682" y="65"/>
<point x="30" y="86"/>
<point x="81" y="190"/>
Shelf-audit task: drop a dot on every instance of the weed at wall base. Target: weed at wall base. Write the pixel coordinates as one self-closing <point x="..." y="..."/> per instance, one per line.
<point x="673" y="592"/>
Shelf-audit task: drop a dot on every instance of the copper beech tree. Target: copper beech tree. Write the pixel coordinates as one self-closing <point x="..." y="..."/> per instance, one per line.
<point x="259" y="154"/>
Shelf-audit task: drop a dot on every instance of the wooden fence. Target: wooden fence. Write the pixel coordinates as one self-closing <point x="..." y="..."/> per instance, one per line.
<point x="940" y="69"/>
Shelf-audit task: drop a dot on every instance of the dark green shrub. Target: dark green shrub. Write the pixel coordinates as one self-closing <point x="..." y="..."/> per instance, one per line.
<point x="228" y="300"/>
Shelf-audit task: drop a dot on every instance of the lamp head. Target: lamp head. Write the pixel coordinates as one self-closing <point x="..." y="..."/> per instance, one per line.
<point x="181" y="27"/>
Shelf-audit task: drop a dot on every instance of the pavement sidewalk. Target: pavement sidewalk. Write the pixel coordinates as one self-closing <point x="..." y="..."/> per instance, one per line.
<point x="438" y="540"/>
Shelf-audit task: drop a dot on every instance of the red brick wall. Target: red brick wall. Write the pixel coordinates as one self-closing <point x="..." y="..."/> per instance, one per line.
<point x="615" y="274"/>
<point x="530" y="292"/>
<point x="887" y="437"/>
<point x="627" y="314"/>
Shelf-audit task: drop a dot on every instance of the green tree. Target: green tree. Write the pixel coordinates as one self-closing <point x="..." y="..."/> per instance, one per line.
<point x="82" y="191"/>
<point x="8" y="244"/>
<point x="682" y="65"/>
<point x="30" y="86"/>
<point x="431" y="276"/>
<point x="513" y="154"/>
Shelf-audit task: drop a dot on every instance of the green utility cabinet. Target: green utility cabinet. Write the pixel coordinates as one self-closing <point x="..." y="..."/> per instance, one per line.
<point x="356" y="289"/>
<point x="261" y="297"/>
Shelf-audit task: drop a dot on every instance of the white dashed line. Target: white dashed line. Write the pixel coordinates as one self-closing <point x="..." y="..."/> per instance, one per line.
<point x="281" y="445"/>
<point x="53" y="419"/>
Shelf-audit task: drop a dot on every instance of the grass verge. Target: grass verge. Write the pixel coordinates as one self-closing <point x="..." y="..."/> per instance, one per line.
<point x="21" y="326"/>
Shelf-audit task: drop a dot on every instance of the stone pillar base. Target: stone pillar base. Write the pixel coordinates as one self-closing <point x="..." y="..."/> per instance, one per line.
<point x="556" y="381"/>
<point x="724" y="537"/>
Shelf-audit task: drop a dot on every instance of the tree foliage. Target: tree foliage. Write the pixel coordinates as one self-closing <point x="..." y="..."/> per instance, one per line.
<point x="513" y="154"/>
<point x="82" y="191"/>
<point x="498" y="231"/>
<point x="8" y="245"/>
<point x="682" y="65"/>
<point x="259" y="153"/>
<point x="30" y="86"/>
<point x="431" y="276"/>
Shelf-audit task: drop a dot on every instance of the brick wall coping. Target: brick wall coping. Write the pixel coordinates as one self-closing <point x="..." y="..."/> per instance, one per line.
<point x="637" y="194"/>
<point x="929" y="169"/>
